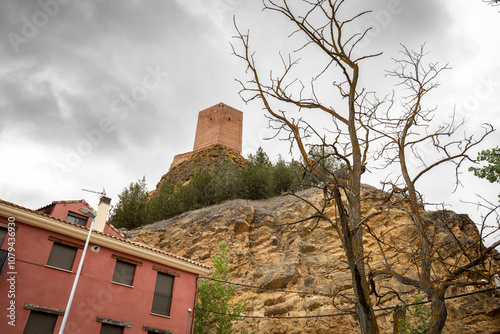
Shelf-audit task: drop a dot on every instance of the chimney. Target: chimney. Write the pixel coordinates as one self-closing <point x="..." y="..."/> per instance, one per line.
<point x="102" y="213"/>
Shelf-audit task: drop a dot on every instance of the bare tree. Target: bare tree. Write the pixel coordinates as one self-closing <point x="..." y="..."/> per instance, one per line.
<point x="407" y="133"/>
<point x="291" y="104"/>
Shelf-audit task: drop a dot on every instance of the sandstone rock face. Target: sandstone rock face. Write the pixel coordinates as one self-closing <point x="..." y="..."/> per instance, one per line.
<point x="269" y="251"/>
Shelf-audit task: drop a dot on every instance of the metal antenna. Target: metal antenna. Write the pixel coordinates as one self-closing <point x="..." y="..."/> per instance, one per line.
<point x="103" y="192"/>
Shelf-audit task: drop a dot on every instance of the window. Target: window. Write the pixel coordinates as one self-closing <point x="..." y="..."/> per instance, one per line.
<point x="4" y="256"/>
<point x="163" y="294"/>
<point x="62" y="256"/>
<point x="124" y="273"/>
<point x="40" y="323"/>
<point x="111" y="329"/>
<point x="77" y="219"/>
<point x="3" y="234"/>
<point x="112" y="326"/>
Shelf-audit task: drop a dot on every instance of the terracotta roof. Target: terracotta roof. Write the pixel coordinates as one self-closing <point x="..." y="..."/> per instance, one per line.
<point x="67" y="202"/>
<point x="109" y="236"/>
<point x="114" y="228"/>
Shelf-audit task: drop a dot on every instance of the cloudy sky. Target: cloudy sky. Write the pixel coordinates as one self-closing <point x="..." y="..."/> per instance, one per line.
<point x="96" y="94"/>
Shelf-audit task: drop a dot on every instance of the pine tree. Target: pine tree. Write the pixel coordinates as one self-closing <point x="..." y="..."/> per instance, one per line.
<point x="130" y="211"/>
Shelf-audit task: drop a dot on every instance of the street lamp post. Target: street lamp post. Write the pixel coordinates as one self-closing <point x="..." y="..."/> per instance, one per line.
<point x="91" y="214"/>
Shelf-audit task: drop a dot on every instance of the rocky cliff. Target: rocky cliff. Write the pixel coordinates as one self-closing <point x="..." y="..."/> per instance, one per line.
<point x="269" y="251"/>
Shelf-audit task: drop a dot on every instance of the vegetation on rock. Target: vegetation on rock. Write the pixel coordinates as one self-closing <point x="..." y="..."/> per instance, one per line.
<point x="257" y="178"/>
<point x="130" y="211"/>
<point x="213" y="305"/>
<point x="417" y="323"/>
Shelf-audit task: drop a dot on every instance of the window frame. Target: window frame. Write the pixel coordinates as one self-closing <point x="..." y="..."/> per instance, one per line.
<point x="117" y="276"/>
<point x="2" y="238"/>
<point x="77" y="217"/>
<point x="155" y="305"/>
<point x="35" y="328"/>
<point x="52" y="254"/>
<point x="112" y="323"/>
<point x="109" y="326"/>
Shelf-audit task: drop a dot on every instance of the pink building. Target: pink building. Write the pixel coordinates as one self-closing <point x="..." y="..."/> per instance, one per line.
<point x="124" y="287"/>
<point x="69" y="211"/>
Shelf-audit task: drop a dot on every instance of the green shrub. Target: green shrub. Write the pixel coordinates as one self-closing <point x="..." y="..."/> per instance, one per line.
<point x="130" y="211"/>
<point x="213" y="304"/>
<point x="418" y="320"/>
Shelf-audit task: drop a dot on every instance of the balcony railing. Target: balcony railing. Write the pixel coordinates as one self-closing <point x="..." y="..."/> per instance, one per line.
<point x="161" y="303"/>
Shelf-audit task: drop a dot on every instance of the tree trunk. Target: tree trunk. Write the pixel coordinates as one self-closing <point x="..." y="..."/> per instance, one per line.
<point x="353" y="249"/>
<point x="438" y="311"/>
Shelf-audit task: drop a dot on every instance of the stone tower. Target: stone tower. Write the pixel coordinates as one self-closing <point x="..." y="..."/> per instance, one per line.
<point x="219" y="124"/>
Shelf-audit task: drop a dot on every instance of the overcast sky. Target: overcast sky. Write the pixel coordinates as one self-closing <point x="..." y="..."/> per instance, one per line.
<point x="96" y="94"/>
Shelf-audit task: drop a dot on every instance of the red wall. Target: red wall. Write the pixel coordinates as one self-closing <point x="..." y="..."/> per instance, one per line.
<point x="95" y="296"/>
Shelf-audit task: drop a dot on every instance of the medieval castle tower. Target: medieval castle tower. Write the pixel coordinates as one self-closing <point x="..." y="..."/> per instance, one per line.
<point x="219" y="124"/>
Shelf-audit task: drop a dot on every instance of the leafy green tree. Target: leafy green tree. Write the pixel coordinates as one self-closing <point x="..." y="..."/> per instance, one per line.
<point x="166" y="203"/>
<point x="326" y="161"/>
<point x="225" y="181"/>
<point x="284" y="177"/>
<point x="198" y="192"/>
<point x="213" y="304"/>
<point x="260" y="158"/>
<point x="490" y="172"/>
<point x="256" y="178"/>
<point x="130" y="211"/>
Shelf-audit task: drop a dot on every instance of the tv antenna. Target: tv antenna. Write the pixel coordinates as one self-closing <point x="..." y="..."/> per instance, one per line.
<point x="103" y="192"/>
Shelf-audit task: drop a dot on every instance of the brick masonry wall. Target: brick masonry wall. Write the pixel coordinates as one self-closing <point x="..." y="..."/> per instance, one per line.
<point x="219" y="124"/>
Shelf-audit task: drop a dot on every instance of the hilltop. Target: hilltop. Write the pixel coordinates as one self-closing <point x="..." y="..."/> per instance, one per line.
<point x="186" y="165"/>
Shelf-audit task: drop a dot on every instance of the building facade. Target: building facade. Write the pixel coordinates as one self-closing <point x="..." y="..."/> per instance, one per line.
<point x="70" y="212"/>
<point x="124" y="287"/>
